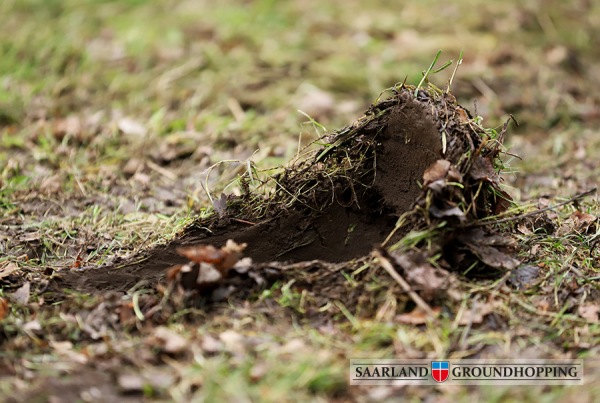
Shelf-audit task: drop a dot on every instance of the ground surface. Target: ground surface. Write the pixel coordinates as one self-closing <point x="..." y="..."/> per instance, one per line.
<point x="112" y="113"/>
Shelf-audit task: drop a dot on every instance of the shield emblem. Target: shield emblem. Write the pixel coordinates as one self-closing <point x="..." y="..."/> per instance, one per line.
<point x="440" y="370"/>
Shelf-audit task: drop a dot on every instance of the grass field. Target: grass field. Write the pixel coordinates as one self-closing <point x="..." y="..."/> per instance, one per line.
<point x="112" y="113"/>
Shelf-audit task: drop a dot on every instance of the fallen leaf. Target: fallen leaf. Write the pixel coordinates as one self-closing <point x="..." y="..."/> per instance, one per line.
<point x="583" y="221"/>
<point x="475" y="315"/>
<point x="493" y="257"/>
<point x="173" y="272"/>
<point x="31" y="237"/>
<point x="436" y="171"/>
<point x="158" y="378"/>
<point x="21" y="296"/>
<point x="223" y="259"/>
<point x="483" y="170"/>
<point x="543" y="305"/>
<point x="502" y="202"/>
<point x="421" y="275"/>
<point x="463" y="115"/>
<point x="524" y="276"/>
<point x="416" y="317"/>
<point x="201" y="254"/>
<point x="167" y="196"/>
<point x="78" y="260"/>
<point x="484" y="247"/>
<point x="8" y="269"/>
<point x="578" y="222"/>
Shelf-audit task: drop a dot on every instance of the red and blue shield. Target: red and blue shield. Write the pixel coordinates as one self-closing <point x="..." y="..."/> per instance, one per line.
<point x="440" y="370"/>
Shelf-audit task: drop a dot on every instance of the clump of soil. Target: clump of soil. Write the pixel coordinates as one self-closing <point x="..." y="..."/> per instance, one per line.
<point x="336" y="204"/>
<point x="346" y="198"/>
<point x="416" y="158"/>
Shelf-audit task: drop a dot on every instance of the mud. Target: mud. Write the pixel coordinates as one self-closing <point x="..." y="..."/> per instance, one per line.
<point x="406" y="141"/>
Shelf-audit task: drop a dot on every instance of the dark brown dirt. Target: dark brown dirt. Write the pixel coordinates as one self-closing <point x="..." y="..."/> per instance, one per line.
<point x="407" y="142"/>
<point x="411" y="142"/>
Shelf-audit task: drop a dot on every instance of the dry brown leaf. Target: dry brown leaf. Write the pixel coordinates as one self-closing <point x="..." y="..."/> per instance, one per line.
<point x="463" y="116"/>
<point x="202" y="254"/>
<point x="524" y="276"/>
<point x="502" y="202"/>
<point x="484" y="247"/>
<point x="32" y="326"/>
<point x="436" y="171"/>
<point x="543" y="305"/>
<point x="173" y="272"/>
<point x="421" y="274"/>
<point x="223" y="259"/>
<point x="208" y="265"/>
<point x="21" y="296"/>
<point x="8" y="269"/>
<point x="483" y="170"/>
<point x="583" y="220"/>
<point x="476" y="314"/>
<point x="31" y="237"/>
<point x="425" y="279"/>
<point x="416" y="317"/>
<point x="126" y="314"/>
<point x="578" y="222"/>
<point x="493" y="257"/>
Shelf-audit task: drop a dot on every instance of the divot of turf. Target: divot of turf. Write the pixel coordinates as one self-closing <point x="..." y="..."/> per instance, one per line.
<point x="415" y="153"/>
